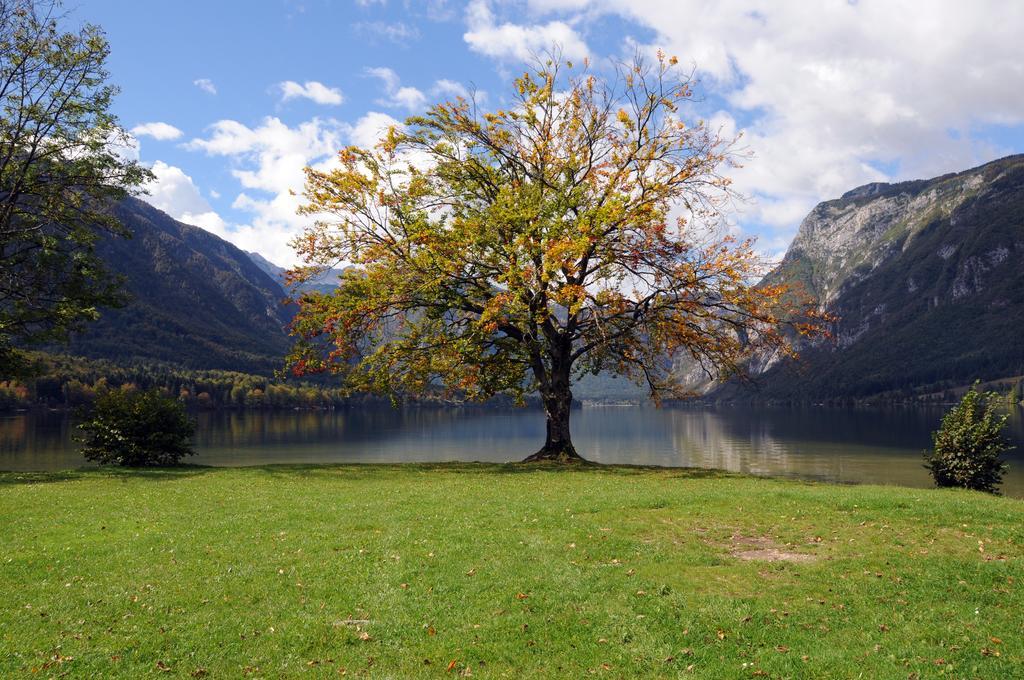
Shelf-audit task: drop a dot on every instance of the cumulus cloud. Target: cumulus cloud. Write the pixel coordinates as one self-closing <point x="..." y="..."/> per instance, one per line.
<point x="126" y="146"/>
<point x="520" y="42"/>
<point x="271" y="155"/>
<point x="267" y="161"/>
<point x="173" y="191"/>
<point x="451" y="88"/>
<point x="370" y="129"/>
<point x="312" y="90"/>
<point x="414" y="99"/>
<point x="398" y="96"/>
<point x="206" y="85"/>
<point x="157" y="130"/>
<point x="829" y="95"/>
<point x="176" y="194"/>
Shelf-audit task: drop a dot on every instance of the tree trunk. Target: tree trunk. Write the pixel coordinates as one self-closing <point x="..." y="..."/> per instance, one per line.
<point x="558" y="443"/>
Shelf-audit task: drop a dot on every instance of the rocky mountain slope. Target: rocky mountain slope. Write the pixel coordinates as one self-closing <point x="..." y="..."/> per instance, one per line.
<point x="926" y="279"/>
<point x="325" y="283"/>
<point x="196" y="300"/>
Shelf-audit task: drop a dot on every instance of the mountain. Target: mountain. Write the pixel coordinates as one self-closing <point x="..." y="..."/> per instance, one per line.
<point x="325" y="283"/>
<point x="196" y="300"/>
<point x="926" y="280"/>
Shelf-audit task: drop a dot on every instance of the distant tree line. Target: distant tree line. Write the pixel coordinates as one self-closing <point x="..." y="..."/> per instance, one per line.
<point x="62" y="381"/>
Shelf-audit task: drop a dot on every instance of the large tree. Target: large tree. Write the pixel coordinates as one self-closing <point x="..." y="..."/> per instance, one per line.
<point x="60" y="168"/>
<point x="516" y="250"/>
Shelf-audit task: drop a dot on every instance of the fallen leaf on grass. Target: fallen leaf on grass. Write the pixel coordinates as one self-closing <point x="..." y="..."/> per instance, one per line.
<point x="161" y="666"/>
<point x="451" y="665"/>
<point x="521" y="596"/>
<point x="471" y="572"/>
<point x="364" y="636"/>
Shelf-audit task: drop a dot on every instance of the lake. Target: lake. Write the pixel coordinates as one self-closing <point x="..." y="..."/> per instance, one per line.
<point x="850" y="445"/>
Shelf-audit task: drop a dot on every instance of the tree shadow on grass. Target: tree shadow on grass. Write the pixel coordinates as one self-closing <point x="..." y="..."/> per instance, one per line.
<point x="367" y="470"/>
<point x="353" y="471"/>
<point x="151" y="474"/>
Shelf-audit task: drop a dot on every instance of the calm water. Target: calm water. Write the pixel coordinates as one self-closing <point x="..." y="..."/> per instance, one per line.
<point x="843" y="445"/>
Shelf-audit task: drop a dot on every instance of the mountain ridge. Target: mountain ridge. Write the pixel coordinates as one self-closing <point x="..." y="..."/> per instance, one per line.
<point x="925" y="279"/>
<point x="195" y="299"/>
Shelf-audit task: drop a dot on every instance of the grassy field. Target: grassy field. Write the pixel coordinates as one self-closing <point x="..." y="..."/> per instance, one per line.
<point x="502" y="571"/>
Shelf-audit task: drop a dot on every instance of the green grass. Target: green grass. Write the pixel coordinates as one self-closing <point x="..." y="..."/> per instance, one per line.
<point x="501" y="571"/>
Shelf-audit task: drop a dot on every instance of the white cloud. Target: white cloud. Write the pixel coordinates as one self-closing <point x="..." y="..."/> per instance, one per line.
<point x="398" y="96"/>
<point x="206" y="85"/>
<point x="157" y="130"/>
<point x="126" y="146"/>
<point x="451" y="88"/>
<point x="370" y="129"/>
<point x="312" y="90"/>
<point x="520" y="42"/>
<point x="829" y="95"/>
<point x="271" y="156"/>
<point x="174" y="192"/>
<point x="413" y="99"/>
<point x="398" y="32"/>
<point x="268" y="161"/>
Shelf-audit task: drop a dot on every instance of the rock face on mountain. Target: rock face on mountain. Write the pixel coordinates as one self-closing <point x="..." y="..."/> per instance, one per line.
<point x="926" y="279"/>
<point x="325" y="283"/>
<point x="196" y="300"/>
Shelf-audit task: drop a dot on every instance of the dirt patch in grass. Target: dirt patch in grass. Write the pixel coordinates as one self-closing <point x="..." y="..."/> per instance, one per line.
<point x="764" y="549"/>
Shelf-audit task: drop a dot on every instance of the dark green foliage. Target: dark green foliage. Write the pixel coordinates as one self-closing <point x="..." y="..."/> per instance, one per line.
<point x="196" y="300"/>
<point x="59" y="171"/>
<point x="136" y="429"/>
<point x="968" y="445"/>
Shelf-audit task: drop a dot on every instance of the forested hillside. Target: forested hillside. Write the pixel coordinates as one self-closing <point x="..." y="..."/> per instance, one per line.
<point x="195" y="300"/>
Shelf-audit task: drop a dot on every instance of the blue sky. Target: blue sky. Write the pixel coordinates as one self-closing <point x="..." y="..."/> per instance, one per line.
<point x="229" y="100"/>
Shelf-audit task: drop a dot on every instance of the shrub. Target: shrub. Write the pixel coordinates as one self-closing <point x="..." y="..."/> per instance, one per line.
<point x="137" y="428"/>
<point x="968" y="445"/>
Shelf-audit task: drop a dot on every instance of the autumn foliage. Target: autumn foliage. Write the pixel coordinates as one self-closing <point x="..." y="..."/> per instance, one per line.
<point x="514" y="250"/>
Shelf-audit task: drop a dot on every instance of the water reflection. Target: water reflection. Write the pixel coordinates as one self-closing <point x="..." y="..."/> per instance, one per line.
<point x="847" y="445"/>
